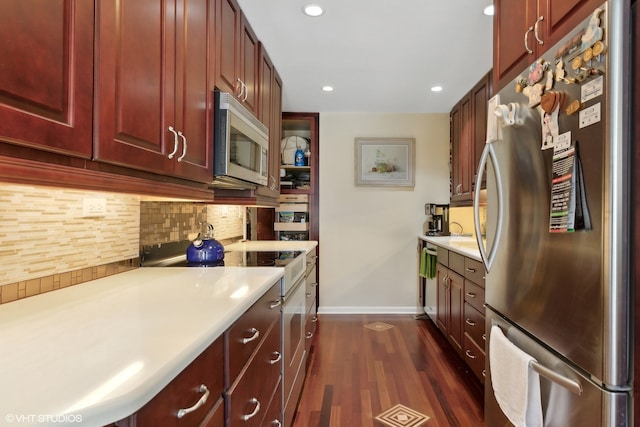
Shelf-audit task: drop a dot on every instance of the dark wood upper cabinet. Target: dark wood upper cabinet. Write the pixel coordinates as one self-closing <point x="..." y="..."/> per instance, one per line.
<point x="462" y="149"/>
<point x="46" y="74"/>
<point x="525" y="29"/>
<point x="237" y="59"/>
<point x="468" y="121"/>
<point x="153" y="95"/>
<point x="481" y="93"/>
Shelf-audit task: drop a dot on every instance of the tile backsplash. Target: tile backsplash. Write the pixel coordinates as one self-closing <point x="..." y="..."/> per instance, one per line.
<point x="47" y="243"/>
<point x="43" y="231"/>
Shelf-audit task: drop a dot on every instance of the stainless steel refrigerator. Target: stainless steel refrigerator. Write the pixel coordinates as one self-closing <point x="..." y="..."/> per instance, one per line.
<point x="556" y="249"/>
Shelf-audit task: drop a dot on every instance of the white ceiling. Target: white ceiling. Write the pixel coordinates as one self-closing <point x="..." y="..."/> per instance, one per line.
<point x="379" y="55"/>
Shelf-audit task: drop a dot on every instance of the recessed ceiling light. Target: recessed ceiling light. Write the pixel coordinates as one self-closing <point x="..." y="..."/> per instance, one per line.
<point x="327" y="88"/>
<point x="489" y="10"/>
<point x="313" y="10"/>
<point x="436" y="89"/>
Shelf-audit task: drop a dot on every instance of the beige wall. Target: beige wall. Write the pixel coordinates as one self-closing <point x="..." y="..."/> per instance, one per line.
<point x="368" y="236"/>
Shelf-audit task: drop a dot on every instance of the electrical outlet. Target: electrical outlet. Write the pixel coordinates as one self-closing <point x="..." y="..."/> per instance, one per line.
<point x="94" y="207"/>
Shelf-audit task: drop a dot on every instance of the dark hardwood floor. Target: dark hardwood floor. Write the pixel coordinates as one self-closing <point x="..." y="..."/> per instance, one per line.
<point x="356" y="373"/>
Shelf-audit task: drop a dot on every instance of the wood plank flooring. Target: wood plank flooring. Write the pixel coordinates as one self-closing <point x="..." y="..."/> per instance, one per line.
<point x="356" y="373"/>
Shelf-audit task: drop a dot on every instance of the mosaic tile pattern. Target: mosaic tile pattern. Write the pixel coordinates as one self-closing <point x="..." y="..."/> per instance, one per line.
<point x="47" y="244"/>
<point x="401" y="416"/>
<point x="378" y="326"/>
<point x="43" y="231"/>
<point x="28" y="288"/>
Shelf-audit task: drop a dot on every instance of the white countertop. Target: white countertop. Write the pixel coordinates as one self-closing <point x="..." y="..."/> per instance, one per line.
<point x="272" y="245"/>
<point x="102" y="349"/>
<point x="464" y="245"/>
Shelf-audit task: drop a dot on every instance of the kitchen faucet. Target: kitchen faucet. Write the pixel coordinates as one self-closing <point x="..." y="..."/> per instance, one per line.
<point x="458" y="224"/>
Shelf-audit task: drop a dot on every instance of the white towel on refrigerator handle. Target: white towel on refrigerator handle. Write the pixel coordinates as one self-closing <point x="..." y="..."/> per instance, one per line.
<point x="515" y="386"/>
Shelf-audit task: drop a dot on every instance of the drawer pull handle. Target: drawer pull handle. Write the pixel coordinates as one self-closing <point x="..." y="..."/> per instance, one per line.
<point x="256" y="334"/>
<point x="309" y="335"/>
<point x="309" y="294"/>
<point x="314" y="284"/>
<point x="469" y="354"/>
<point x="484" y="372"/>
<point x="275" y="303"/>
<point x="470" y="270"/>
<point x="202" y="389"/>
<point x="470" y="322"/>
<point x="314" y="319"/>
<point x="276" y="423"/>
<point x="255" y="411"/>
<point x="484" y="337"/>
<point x="277" y="359"/>
<point x="471" y="295"/>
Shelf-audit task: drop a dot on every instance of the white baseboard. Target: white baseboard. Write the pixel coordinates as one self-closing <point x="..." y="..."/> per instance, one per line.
<point x="370" y="310"/>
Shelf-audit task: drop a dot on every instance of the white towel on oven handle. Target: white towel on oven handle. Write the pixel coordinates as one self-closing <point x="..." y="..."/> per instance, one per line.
<point x="515" y="385"/>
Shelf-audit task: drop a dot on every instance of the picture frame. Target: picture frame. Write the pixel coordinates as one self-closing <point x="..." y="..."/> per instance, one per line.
<point x="388" y="162"/>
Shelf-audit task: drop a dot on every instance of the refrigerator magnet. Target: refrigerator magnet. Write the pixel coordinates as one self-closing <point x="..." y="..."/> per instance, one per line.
<point x="550" y="129"/>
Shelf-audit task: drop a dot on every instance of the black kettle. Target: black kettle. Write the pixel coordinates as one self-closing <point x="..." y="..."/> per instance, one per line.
<point x="204" y="249"/>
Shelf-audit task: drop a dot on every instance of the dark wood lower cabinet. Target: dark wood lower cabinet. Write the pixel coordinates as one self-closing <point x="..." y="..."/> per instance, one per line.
<point x="460" y="307"/>
<point x="186" y="391"/>
<point x="236" y="381"/>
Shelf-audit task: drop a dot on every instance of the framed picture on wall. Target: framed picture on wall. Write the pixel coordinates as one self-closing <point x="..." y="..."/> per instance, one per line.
<point x="385" y="162"/>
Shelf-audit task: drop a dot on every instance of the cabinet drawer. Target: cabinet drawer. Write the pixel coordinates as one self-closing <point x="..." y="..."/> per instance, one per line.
<point x="184" y="391"/>
<point x="273" y="415"/>
<point x="294" y="198"/>
<point x="474" y="324"/>
<point x="475" y="357"/>
<point x="255" y="322"/>
<point x="456" y="262"/>
<point x="474" y="271"/>
<point x="291" y="226"/>
<point x="293" y="207"/>
<point x="216" y="416"/>
<point x="474" y="295"/>
<point x="251" y="394"/>
<point x="443" y="256"/>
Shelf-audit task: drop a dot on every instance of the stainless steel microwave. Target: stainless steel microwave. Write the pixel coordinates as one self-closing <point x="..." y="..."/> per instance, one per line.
<point x="240" y="146"/>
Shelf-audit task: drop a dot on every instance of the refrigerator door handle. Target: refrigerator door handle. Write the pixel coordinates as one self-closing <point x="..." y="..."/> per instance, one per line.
<point x="488" y="154"/>
<point x="565" y="382"/>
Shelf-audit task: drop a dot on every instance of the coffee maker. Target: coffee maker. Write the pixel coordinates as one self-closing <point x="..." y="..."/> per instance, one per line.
<point x="437" y="223"/>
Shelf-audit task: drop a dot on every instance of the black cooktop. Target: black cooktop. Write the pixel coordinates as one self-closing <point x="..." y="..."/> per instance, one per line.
<point x="174" y="255"/>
